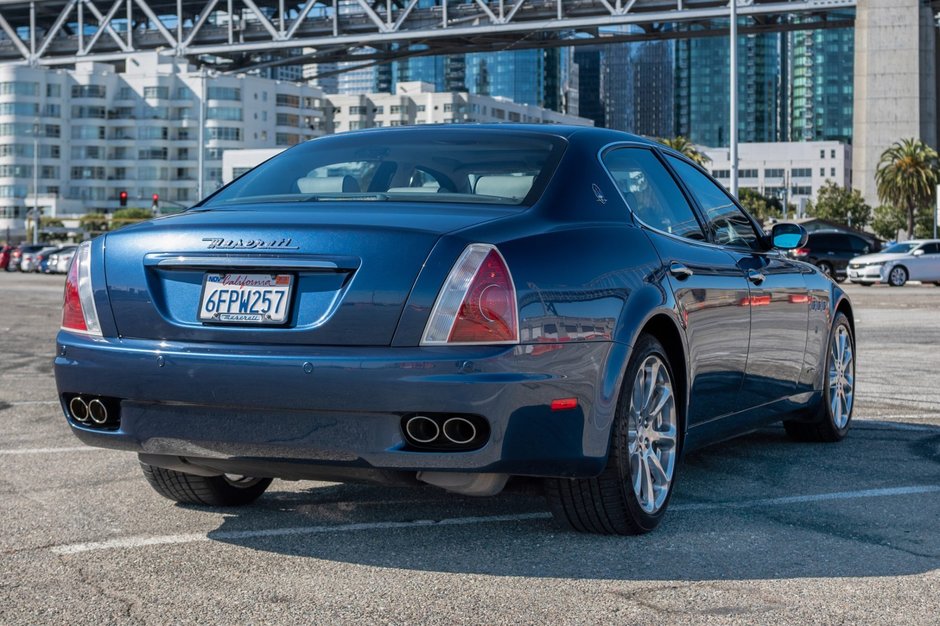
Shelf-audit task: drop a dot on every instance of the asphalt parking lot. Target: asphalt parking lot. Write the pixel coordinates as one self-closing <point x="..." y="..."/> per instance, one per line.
<point x="761" y="530"/>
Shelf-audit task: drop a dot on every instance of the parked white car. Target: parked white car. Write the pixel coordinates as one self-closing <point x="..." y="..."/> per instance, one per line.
<point x="917" y="259"/>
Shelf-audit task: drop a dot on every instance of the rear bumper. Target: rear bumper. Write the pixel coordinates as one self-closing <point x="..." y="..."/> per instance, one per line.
<point x="342" y="407"/>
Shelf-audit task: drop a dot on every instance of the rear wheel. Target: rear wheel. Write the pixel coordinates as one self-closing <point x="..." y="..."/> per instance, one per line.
<point x="632" y="493"/>
<point x="897" y="276"/>
<point x="225" y="490"/>
<point x="830" y="420"/>
<point x="826" y="269"/>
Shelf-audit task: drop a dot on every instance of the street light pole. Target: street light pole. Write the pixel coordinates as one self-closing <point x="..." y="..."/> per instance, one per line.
<point x="36" y="221"/>
<point x="734" y="97"/>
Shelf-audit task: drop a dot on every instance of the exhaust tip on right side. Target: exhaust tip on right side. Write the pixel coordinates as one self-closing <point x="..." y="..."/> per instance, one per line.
<point x="459" y="430"/>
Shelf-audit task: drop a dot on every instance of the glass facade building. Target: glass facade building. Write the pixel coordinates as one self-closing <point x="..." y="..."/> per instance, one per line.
<point x="822" y="85"/>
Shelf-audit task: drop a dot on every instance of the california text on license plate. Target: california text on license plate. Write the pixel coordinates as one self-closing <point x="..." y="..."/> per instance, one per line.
<point x="245" y="298"/>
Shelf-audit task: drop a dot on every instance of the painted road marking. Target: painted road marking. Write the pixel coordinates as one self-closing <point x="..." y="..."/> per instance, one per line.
<point x="140" y="542"/>
<point x="13" y="451"/>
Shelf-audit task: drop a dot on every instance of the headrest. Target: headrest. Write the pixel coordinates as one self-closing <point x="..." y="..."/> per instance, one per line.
<point x="328" y="184"/>
<point x="516" y="187"/>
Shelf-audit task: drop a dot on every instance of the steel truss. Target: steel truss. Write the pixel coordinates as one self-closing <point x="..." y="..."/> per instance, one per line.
<point x="235" y="35"/>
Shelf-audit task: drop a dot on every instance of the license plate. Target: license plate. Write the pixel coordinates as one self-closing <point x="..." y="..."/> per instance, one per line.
<point x="853" y="274"/>
<point x="245" y="298"/>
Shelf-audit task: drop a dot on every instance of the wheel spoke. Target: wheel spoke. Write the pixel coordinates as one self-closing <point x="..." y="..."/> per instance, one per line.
<point x="664" y="396"/>
<point x="651" y="373"/>
<point x="657" y="472"/>
<point x="664" y="439"/>
<point x="647" y="498"/>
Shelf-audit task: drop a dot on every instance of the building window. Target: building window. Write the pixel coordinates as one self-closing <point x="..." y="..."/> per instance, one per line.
<point x="19" y="108"/>
<point x="153" y="132"/>
<point x="19" y="89"/>
<point x="288" y="119"/>
<point x="53" y="91"/>
<point x="224" y="93"/>
<point x="773" y="173"/>
<point x="159" y="93"/>
<point x="832" y="172"/>
<point x="224" y="133"/>
<point x="721" y="173"/>
<point x="224" y="113"/>
<point x="748" y="173"/>
<point x="801" y="172"/>
<point x="833" y="154"/>
<point x="822" y="154"/>
<point x="88" y="91"/>
<point x="151" y="154"/>
<point x="395" y="108"/>
<point x="87" y="173"/>
<point x="88" y="132"/>
<point x="287" y="100"/>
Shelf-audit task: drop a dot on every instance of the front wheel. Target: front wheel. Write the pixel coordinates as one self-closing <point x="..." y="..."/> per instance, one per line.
<point x="829" y="421"/>
<point x="222" y="490"/>
<point x="897" y="277"/>
<point x="632" y="493"/>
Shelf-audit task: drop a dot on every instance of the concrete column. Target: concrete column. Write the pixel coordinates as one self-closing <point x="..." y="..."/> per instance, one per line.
<point x="895" y="83"/>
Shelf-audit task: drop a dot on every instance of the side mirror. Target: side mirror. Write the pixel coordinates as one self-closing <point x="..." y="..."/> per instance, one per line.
<point x="918" y="252"/>
<point x="788" y="236"/>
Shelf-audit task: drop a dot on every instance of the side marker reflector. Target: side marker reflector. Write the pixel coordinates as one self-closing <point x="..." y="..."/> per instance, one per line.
<point x="564" y="404"/>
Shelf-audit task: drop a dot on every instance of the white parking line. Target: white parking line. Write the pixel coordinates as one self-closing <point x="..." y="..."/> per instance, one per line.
<point x="819" y="497"/>
<point x="30" y="402"/>
<point x="12" y="451"/>
<point x="140" y="542"/>
<point x="137" y="542"/>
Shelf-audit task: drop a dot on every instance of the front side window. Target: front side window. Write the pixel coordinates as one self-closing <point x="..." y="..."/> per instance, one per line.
<point x="651" y="193"/>
<point x="727" y="224"/>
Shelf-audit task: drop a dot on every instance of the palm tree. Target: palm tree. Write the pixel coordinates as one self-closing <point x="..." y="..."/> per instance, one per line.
<point x="907" y="177"/>
<point x="683" y="146"/>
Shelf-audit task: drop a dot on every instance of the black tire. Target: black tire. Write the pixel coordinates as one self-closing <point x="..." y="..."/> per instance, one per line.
<point x="826" y="268"/>
<point x="204" y="490"/>
<point x="898" y="276"/>
<point x="818" y="425"/>
<point x="864" y="284"/>
<point x="607" y="504"/>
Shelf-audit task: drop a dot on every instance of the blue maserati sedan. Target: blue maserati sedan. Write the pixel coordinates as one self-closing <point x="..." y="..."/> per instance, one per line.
<point x="456" y="306"/>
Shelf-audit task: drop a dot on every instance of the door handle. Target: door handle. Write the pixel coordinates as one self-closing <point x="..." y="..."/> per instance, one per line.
<point x="755" y="277"/>
<point x="680" y="271"/>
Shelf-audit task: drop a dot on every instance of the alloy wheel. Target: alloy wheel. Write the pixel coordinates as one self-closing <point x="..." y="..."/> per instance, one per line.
<point x="897" y="277"/>
<point x="841" y="377"/>
<point x="652" y="434"/>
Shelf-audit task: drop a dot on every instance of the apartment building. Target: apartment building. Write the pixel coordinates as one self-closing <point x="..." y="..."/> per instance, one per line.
<point x="792" y="171"/>
<point x="72" y="140"/>
<point x="418" y="103"/>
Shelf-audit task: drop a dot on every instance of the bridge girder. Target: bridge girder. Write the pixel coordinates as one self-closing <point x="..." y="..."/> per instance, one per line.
<point x="235" y="35"/>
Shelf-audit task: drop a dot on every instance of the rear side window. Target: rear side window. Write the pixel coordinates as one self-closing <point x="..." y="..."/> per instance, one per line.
<point x="442" y="166"/>
<point x="824" y="242"/>
<point x="651" y="193"/>
<point x="931" y="248"/>
<point x="859" y="245"/>
<point x="727" y="224"/>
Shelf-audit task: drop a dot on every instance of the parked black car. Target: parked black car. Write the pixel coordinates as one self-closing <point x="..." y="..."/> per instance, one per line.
<point x="831" y="251"/>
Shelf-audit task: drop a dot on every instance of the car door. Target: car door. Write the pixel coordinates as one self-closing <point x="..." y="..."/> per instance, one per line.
<point x="778" y="298"/>
<point x="925" y="265"/>
<point x="707" y="283"/>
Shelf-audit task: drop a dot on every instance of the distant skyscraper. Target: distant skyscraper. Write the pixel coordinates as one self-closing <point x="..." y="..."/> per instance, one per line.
<point x="591" y="103"/>
<point x="541" y="77"/>
<point x="638" y="87"/>
<point x="822" y="89"/>
<point x="702" y="100"/>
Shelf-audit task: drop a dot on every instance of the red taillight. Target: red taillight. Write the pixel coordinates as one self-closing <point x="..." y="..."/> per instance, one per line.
<point x="801" y="252"/>
<point x="72" y="316"/>
<point x="564" y="404"/>
<point x="488" y="311"/>
<point x="477" y="303"/>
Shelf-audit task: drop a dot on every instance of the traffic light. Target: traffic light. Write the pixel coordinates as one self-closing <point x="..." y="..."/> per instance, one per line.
<point x="122" y="198"/>
<point x="156" y="200"/>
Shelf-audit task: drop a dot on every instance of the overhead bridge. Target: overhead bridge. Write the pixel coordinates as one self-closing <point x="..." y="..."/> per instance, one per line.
<point x="235" y="35"/>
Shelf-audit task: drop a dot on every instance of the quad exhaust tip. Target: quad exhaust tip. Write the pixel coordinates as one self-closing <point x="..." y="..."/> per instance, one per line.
<point x="97" y="411"/>
<point x="459" y="430"/>
<point x="422" y="429"/>
<point x="79" y="409"/>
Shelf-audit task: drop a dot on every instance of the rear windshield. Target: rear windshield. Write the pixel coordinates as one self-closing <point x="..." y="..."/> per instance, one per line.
<point x="450" y="166"/>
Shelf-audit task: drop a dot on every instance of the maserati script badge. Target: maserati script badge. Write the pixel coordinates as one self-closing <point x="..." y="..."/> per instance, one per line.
<point x="220" y="243"/>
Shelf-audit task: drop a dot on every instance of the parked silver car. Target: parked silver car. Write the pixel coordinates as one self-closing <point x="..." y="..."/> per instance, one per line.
<point x="917" y="259"/>
<point x="59" y="260"/>
<point x="31" y="260"/>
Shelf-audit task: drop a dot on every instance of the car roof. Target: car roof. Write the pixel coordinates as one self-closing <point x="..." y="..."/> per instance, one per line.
<point x="557" y="130"/>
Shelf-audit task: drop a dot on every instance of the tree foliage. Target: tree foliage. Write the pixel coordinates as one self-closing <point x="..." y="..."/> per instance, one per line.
<point x="838" y="204"/>
<point x="761" y="207"/>
<point x="907" y="178"/>
<point x="683" y="146"/>
<point x="128" y="216"/>
<point x="890" y="222"/>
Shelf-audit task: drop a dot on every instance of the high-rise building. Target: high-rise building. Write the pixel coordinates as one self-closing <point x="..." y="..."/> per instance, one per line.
<point x="702" y="99"/>
<point x="590" y="83"/>
<point x="822" y="86"/>
<point x="638" y="87"/>
<point x="540" y="77"/>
